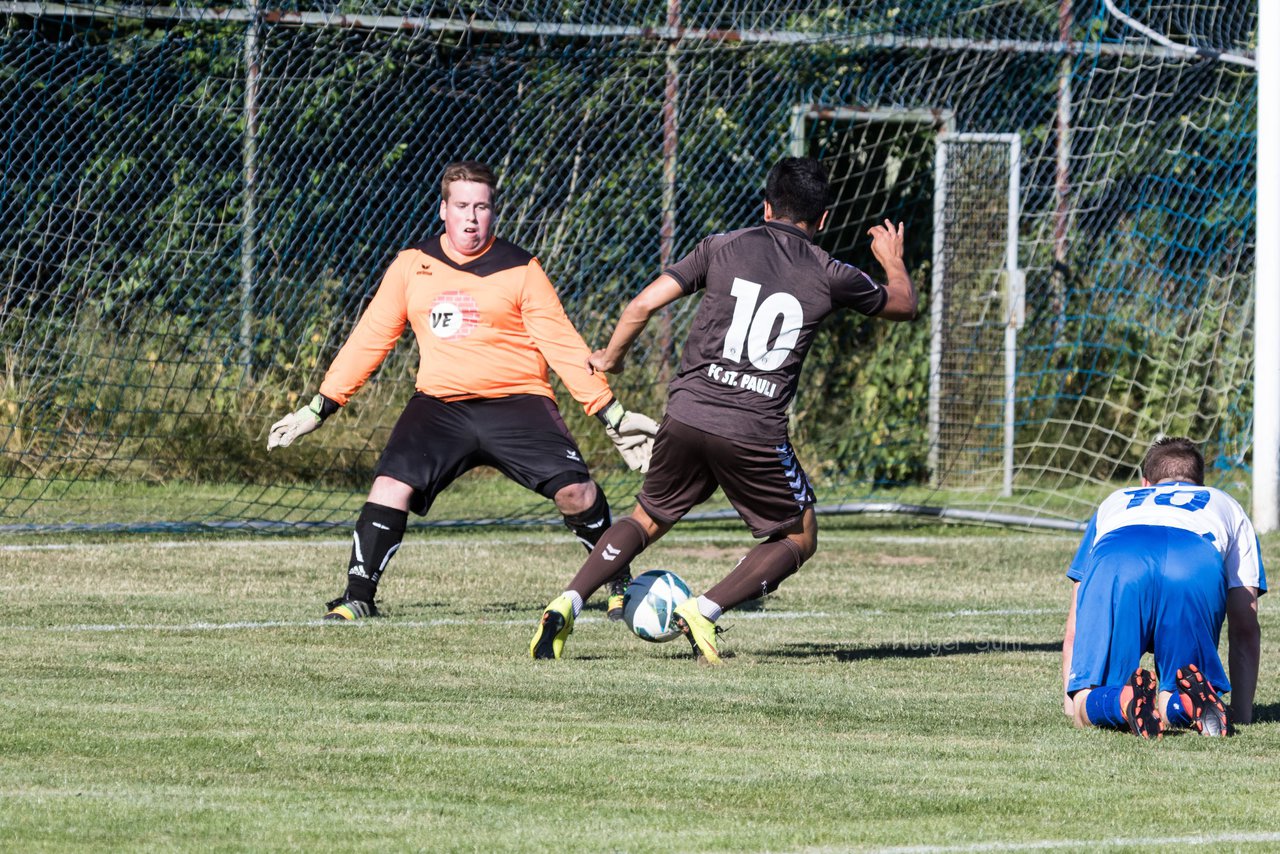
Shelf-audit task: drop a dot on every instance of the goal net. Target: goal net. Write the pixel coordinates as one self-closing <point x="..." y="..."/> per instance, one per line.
<point x="197" y="203"/>
<point x="977" y="307"/>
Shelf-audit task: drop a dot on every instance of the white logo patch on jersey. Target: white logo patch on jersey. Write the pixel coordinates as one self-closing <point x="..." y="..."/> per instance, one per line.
<point x="454" y="314"/>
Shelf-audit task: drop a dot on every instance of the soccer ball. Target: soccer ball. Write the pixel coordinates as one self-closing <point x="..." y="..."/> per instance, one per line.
<point x="649" y="605"/>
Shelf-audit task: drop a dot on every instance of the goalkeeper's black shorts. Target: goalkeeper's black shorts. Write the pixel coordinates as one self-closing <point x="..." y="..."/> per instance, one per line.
<point x="764" y="483"/>
<point x="523" y="436"/>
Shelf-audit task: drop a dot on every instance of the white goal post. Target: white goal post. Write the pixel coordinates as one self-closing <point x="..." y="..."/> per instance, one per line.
<point x="978" y="297"/>
<point x="1266" y="319"/>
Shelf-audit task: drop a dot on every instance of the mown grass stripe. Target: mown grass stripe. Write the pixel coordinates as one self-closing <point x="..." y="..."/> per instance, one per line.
<point x="381" y="623"/>
<point x="1079" y="844"/>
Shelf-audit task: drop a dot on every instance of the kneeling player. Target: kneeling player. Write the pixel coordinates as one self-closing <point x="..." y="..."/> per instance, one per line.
<point x="1159" y="568"/>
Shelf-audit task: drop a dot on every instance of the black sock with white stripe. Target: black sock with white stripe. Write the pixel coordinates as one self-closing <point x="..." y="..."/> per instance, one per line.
<point x="589" y="525"/>
<point x="377" y="537"/>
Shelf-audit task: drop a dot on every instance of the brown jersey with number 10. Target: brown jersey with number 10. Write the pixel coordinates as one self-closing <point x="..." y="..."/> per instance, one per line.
<point x="485" y="328"/>
<point x="768" y="289"/>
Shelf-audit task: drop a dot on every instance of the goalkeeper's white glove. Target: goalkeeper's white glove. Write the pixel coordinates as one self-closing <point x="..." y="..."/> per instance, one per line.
<point x="299" y="423"/>
<point x="632" y="434"/>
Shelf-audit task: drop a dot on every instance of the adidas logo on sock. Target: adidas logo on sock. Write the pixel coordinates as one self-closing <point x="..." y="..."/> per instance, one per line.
<point x="358" y="571"/>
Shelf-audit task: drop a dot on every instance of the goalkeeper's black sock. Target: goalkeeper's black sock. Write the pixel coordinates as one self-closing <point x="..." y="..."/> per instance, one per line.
<point x="377" y="537"/>
<point x="614" y="551"/>
<point x="589" y="526"/>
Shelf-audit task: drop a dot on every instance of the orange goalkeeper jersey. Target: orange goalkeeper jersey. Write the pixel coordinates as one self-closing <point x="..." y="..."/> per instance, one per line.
<point x="488" y="327"/>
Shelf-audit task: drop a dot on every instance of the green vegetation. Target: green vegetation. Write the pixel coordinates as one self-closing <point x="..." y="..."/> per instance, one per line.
<point x="137" y="345"/>
<point x="902" y="689"/>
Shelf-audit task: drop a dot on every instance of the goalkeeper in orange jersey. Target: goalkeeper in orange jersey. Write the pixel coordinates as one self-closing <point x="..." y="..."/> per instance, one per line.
<point x="488" y="323"/>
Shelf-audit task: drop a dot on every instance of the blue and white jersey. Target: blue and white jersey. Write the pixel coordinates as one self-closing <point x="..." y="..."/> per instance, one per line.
<point x="1207" y="512"/>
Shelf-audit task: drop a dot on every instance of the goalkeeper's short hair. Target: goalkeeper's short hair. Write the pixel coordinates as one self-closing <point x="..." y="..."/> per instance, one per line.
<point x="468" y="170"/>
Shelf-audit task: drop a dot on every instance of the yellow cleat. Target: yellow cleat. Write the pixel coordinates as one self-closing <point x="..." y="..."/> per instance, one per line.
<point x="553" y="629"/>
<point x="616" y="605"/>
<point x="615" y="610"/>
<point x="700" y="631"/>
<point x="350" y="609"/>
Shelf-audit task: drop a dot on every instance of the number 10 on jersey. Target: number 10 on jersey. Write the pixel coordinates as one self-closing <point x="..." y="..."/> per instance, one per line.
<point x="753" y="321"/>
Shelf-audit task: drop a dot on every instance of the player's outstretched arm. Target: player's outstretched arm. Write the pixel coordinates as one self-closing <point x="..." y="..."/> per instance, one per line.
<point x="1243" y="650"/>
<point x="886" y="245"/>
<point x="300" y="423"/>
<point x="632" y="432"/>
<point x="662" y="291"/>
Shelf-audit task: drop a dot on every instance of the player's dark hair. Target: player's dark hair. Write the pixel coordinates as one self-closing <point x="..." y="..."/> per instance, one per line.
<point x="798" y="190"/>
<point x="1173" y="458"/>
<point x="468" y="170"/>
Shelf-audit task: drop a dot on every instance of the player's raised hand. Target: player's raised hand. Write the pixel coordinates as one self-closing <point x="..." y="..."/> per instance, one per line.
<point x="901" y="302"/>
<point x="600" y="361"/>
<point x="886" y="243"/>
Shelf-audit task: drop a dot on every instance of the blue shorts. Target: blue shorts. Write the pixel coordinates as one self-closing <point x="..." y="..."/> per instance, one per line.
<point x="1149" y="588"/>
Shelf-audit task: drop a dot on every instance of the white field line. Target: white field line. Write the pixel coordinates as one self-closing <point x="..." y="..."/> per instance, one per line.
<point x="459" y="621"/>
<point x="381" y="623"/>
<point x="415" y="541"/>
<point x="1078" y="844"/>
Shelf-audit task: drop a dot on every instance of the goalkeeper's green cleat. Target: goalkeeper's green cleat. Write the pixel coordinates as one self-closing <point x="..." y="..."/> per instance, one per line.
<point x="617" y="596"/>
<point x="343" y="608"/>
<point x="700" y="631"/>
<point x="553" y="629"/>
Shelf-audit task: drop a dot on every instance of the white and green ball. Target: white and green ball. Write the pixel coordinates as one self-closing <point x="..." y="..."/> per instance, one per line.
<point x="649" y="605"/>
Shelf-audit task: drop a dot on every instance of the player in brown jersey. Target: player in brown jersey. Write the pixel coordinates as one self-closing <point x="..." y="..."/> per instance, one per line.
<point x="766" y="291"/>
<point x="488" y="323"/>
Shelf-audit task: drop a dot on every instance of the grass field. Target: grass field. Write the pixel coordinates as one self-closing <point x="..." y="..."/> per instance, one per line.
<point x="901" y="692"/>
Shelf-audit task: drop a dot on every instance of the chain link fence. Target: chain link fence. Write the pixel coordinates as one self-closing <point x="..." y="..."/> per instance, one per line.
<point x="196" y="202"/>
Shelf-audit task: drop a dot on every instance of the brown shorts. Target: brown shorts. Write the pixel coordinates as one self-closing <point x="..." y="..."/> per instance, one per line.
<point x="764" y="483"/>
